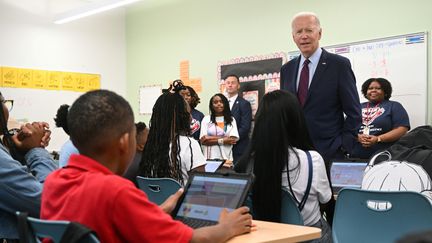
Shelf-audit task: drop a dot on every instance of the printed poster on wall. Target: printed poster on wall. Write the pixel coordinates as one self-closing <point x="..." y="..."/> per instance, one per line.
<point x="13" y="77"/>
<point x="258" y="75"/>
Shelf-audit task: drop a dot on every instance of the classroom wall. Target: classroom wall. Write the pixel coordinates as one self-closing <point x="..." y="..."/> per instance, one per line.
<point x="205" y="32"/>
<point x="92" y="45"/>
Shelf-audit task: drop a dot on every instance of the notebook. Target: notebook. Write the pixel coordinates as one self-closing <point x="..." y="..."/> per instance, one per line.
<point x="206" y="194"/>
<point x="346" y="173"/>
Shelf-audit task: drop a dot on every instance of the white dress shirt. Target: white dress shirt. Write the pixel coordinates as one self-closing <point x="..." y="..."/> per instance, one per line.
<point x="231" y="100"/>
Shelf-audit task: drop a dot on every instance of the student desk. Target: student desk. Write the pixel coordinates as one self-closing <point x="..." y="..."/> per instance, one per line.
<point x="277" y="232"/>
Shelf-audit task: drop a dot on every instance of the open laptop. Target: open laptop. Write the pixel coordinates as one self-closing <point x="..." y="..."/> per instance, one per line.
<point x="206" y="194"/>
<point x="347" y="173"/>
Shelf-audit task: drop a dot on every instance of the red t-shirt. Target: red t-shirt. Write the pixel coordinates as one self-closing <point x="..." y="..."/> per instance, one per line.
<point x="88" y="193"/>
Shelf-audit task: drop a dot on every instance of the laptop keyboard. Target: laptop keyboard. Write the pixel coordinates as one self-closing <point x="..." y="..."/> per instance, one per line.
<point x="196" y="223"/>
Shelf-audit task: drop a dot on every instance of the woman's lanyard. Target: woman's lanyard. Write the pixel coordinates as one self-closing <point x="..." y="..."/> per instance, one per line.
<point x="367" y="120"/>
<point x="216" y="125"/>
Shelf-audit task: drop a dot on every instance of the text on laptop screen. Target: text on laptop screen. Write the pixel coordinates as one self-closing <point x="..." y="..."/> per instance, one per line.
<point x="345" y="174"/>
<point x="207" y="196"/>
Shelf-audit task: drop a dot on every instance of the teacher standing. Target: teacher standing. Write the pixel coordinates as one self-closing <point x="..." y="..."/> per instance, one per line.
<point x="326" y="88"/>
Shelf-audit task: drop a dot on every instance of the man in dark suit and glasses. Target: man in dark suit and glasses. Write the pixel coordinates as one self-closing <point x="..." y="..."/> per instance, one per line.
<point x="242" y="112"/>
<point x="326" y="88"/>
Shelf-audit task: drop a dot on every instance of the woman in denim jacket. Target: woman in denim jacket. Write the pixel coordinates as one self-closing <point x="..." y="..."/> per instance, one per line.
<point x="21" y="182"/>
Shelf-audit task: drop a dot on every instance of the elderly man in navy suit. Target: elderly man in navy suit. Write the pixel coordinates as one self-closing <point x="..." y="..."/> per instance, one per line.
<point x="242" y="112"/>
<point x="326" y="88"/>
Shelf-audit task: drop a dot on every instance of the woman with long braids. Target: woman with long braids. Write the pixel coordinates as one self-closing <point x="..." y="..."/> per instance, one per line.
<point x="281" y="157"/>
<point x="170" y="151"/>
<point x="219" y="130"/>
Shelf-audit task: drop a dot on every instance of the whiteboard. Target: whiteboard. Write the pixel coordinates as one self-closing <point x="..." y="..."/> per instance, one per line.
<point x="400" y="59"/>
<point x="40" y="105"/>
<point x="147" y="98"/>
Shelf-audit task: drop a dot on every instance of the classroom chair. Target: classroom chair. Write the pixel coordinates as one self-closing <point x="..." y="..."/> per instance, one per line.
<point x="290" y="214"/>
<point x="356" y="218"/>
<point x="33" y="229"/>
<point x="158" y="189"/>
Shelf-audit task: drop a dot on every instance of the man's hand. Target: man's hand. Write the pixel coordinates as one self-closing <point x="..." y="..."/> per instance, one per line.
<point x="169" y="204"/>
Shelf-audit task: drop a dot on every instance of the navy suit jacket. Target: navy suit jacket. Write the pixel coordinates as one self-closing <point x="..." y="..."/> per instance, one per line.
<point x="332" y="92"/>
<point x="242" y="112"/>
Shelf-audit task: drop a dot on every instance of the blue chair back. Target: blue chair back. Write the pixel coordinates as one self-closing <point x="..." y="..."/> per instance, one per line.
<point x="52" y="229"/>
<point x="379" y="216"/>
<point x="158" y="189"/>
<point x="290" y="214"/>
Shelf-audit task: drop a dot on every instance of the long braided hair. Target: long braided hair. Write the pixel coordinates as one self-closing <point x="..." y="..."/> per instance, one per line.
<point x="170" y="119"/>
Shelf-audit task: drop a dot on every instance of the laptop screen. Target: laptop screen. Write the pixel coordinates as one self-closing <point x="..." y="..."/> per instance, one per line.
<point x="347" y="174"/>
<point x="206" y="196"/>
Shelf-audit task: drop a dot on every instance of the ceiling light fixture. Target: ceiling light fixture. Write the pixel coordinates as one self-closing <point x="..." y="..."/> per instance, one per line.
<point x="91" y="9"/>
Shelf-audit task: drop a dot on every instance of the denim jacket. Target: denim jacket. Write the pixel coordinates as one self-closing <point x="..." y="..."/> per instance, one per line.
<point x="21" y="187"/>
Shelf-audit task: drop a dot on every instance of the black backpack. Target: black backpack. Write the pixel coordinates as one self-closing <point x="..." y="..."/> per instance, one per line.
<point x="414" y="147"/>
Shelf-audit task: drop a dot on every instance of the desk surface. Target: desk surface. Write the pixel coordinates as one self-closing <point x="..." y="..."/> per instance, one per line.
<point x="276" y="232"/>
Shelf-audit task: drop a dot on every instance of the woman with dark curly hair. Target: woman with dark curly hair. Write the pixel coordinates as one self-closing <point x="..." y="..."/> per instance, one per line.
<point x="193" y="100"/>
<point x="383" y="121"/>
<point x="68" y="148"/>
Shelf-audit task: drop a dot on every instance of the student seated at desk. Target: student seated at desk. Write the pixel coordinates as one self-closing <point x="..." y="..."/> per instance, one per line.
<point x="142" y="132"/>
<point x="278" y="157"/>
<point x="67" y="148"/>
<point x="91" y="191"/>
<point x="21" y="154"/>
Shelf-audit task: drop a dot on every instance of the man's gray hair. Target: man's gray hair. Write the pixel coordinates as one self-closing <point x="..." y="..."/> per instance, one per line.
<point x="306" y="14"/>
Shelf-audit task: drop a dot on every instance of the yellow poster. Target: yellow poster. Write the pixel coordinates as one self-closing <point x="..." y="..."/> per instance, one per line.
<point x="54" y="80"/>
<point x="68" y="81"/>
<point x="10" y="77"/>
<point x="25" y="78"/>
<point x="51" y="80"/>
<point x="93" y="81"/>
<point x="81" y="82"/>
<point x="39" y="79"/>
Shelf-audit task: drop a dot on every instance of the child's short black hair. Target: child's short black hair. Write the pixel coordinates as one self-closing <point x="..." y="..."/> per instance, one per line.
<point x="97" y="117"/>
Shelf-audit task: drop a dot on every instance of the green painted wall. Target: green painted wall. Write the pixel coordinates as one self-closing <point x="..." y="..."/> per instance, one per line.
<point x="205" y="32"/>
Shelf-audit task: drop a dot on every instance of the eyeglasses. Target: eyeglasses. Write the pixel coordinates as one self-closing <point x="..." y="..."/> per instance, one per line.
<point x="14" y="131"/>
<point x="8" y="104"/>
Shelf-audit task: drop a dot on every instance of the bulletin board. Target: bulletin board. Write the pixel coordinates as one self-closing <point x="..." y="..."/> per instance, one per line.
<point x="257" y="75"/>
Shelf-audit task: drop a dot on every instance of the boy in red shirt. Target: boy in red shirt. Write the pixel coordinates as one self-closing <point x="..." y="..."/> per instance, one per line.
<point x="91" y="191"/>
